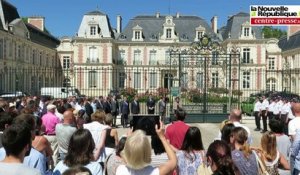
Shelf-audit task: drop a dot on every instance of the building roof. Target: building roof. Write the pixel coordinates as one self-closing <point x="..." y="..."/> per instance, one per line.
<point x="292" y="43"/>
<point x="10" y="12"/>
<point x="41" y="37"/>
<point x="233" y="27"/>
<point x="152" y="28"/>
<point x="95" y="12"/>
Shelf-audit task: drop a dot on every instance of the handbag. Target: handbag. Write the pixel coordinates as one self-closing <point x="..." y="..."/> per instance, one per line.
<point x="203" y="169"/>
<point x="262" y="170"/>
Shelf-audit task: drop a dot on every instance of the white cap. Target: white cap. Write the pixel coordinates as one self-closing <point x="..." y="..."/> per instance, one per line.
<point x="51" y="106"/>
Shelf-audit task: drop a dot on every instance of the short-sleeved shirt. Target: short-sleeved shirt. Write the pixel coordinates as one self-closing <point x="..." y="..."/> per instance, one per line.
<point x="294" y="125"/>
<point x="17" y="168"/>
<point x="175" y="133"/>
<point x="246" y="166"/>
<point x="94" y="167"/>
<point x="148" y="170"/>
<point x="50" y="121"/>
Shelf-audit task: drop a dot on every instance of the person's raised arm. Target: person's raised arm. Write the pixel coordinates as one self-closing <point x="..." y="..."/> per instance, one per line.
<point x="170" y="165"/>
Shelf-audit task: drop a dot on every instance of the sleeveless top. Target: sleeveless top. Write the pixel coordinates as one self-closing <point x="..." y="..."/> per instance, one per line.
<point x="272" y="167"/>
<point x="109" y="141"/>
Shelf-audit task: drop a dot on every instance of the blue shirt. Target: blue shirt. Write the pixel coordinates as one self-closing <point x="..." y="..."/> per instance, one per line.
<point x="34" y="160"/>
<point x="295" y="151"/>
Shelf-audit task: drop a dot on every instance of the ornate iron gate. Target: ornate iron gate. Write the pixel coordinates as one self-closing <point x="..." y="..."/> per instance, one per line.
<point x="208" y="77"/>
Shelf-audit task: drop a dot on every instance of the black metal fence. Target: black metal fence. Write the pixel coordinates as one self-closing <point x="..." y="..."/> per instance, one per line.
<point x="158" y="80"/>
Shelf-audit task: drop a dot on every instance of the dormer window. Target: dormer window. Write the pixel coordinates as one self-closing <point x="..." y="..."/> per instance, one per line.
<point x="200" y="34"/>
<point x="200" y="31"/>
<point x="246" y="31"/>
<point x="93" y="30"/>
<point x="169" y="33"/>
<point x="137" y="33"/>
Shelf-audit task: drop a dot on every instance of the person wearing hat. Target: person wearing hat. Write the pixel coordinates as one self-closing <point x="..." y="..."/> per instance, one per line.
<point x="50" y="120"/>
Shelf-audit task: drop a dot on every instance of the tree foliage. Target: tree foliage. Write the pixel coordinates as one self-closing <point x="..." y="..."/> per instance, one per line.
<point x="271" y="32"/>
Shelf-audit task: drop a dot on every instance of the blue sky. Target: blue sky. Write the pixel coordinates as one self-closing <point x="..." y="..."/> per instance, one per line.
<point x="63" y="17"/>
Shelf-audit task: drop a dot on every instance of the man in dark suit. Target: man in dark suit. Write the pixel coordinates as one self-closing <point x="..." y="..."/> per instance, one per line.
<point x="150" y="105"/>
<point x="107" y="105"/>
<point x="114" y="109"/>
<point x="99" y="103"/>
<point x="135" y="106"/>
<point x="125" y="112"/>
<point x="88" y="109"/>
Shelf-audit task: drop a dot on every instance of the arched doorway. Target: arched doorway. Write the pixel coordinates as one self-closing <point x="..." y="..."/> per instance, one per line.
<point x="168" y="77"/>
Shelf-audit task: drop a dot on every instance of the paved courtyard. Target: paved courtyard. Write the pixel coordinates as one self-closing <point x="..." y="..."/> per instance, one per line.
<point x="209" y="131"/>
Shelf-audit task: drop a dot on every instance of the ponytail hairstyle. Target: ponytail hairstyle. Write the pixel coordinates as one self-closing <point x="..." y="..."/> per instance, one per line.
<point x="220" y="154"/>
<point x="240" y="136"/>
<point x="268" y="145"/>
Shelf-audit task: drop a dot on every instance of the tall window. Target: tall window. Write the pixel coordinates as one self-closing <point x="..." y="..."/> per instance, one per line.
<point x="137" y="80"/>
<point x="214" y="58"/>
<point x="137" y="57"/>
<point x="93" y="55"/>
<point x="215" y="79"/>
<point x="153" y="79"/>
<point x="271" y="84"/>
<point x="199" y="80"/>
<point x="122" y="77"/>
<point x="200" y="34"/>
<point x="246" y="31"/>
<point x="169" y="33"/>
<point x="33" y="56"/>
<point x="1" y="48"/>
<point x="93" y="30"/>
<point x="137" y="35"/>
<point x="92" y="79"/>
<point x="66" y="62"/>
<point x="121" y="57"/>
<point x="184" y="80"/>
<point x="152" y="57"/>
<point x="167" y="57"/>
<point x="271" y="63"/>
<point x="246" y="55"/>
<point x="246" y="80"/>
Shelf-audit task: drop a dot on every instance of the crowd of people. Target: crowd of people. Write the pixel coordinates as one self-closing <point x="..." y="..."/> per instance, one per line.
<point x="70" y="136"/>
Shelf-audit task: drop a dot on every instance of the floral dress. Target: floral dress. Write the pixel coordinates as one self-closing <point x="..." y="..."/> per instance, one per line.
<point x="188" y="163"/>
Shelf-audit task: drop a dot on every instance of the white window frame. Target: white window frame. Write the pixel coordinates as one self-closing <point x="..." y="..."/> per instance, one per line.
<point x="137" y="80"/>
<point x="153" y="80"/>
<point x="66" y="62"/>
<point x="168" y="33"/>
<point x="246" y="55"/>
<point x="246" y="80"/>
<point x="215" y="79"/>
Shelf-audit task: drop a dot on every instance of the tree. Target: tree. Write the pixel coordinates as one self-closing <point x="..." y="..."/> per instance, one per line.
<point x="271" y="32"/>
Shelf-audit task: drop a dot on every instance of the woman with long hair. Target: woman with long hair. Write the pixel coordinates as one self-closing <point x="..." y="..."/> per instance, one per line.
<point x="242" y="156"/>
<point x="80" y="153"/>
<point x="219" y="158"/>
<point x="137" y="155"/>
<point x="191" y="154"/>
<point x="270" y="155"/>
<point x="115" y="159"/>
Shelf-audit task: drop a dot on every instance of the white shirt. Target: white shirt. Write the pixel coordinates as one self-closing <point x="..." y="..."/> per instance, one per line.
<point x="285" y="109"/>
<point x="271" y="106"/>
<point x="265" y="104"/>
<point x="96" y="130"/>
<point x="94" y="167"/>
<point x="277" y="108"/>
<point x="148" y="170"/>
<point x="294" y="125"/>
<point x="257" y="106"/>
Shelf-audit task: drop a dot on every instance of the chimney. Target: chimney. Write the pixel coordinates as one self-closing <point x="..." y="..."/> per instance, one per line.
<point x="37" y="21"/>
<point x="214" y="24"/>
<point x="292" y="30"/>
<point x="177" y="15"/>
<point x="119" y="24"/>
<point x="157" y="14"/>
